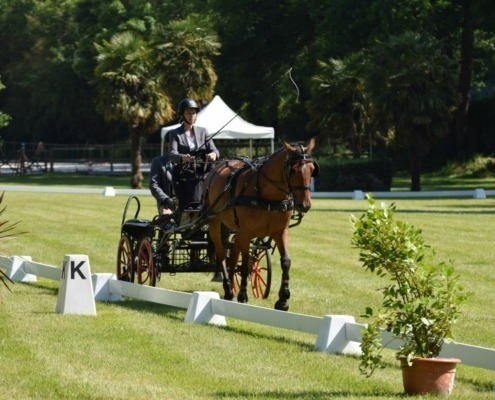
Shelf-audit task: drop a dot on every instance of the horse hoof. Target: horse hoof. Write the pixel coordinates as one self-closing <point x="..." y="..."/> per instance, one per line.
<point x="282" y="305"/>
<point x="242" y="298"/>
<point x="228" y="296"/>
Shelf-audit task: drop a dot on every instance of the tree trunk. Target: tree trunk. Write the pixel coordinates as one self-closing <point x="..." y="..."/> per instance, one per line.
<point x="415" y="160"/>
<point x="137" y="175"/>
<point x="356" y="141"/>
<point x="465" y="76"/>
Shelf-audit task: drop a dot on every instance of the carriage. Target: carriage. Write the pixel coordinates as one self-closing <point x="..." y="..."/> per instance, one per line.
<point x="247" y="210"/>
<point x="149" y="248"/>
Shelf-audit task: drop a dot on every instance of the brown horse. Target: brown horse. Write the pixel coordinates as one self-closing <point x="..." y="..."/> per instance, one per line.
<point x="257" y="199"/>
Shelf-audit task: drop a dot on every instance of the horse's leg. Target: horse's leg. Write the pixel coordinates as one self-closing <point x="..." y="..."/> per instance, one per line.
<point x="282" y="241"/>
<point x="241" y="246"/>
<point x="216" y="237"/>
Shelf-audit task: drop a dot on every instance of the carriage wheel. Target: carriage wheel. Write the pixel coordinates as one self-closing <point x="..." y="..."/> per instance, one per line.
<point x="145" y="266"/>
<point x="125" y="270"/>
<point x="261" y="272"/>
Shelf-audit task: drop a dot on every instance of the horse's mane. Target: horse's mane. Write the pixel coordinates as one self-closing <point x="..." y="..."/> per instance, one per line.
<point x="258" y="161"/>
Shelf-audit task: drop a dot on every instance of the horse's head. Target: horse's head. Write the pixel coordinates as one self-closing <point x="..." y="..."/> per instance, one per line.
<point x="300" y="168"/>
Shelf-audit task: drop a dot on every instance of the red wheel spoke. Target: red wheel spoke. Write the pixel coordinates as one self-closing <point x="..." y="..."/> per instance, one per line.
<point x="145" y="266"/>
<point x="124" y="260"/>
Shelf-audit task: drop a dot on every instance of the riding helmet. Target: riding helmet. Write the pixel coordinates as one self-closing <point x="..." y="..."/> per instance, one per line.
<point x="187" y="103"/>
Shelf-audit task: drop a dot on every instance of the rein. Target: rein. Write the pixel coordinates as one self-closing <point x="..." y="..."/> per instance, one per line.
<point x="256" y="170"/>
<point x="259" y="169"/>
<point x="289" y="163"/>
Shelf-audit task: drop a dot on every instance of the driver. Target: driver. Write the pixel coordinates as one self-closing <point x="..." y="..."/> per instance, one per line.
<point x="185" y="142"/>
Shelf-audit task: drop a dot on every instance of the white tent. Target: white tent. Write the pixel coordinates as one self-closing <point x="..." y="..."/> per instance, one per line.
<point x="224" y="123"/>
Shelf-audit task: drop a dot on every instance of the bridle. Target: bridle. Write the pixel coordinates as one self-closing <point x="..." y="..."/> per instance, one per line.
<point x="292" y="160"/>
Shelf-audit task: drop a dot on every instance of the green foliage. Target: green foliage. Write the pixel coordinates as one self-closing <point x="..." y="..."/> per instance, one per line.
<point x="413" y="83"/>
<point x="421" y="304"/>
<point x="136" y="76"/>
<point x="6" y="232"/>
<point x="184" y="51"/>
<point x="354" y="174"/>
<point x="338" y="105"/>
<point x="128" y="89"/>
<point x="47" y="59"/>
<point x="477" y="167"/>
<point x="4" y="118"/>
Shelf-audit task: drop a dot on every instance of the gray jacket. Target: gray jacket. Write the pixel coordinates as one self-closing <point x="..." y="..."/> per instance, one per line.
<point x="179" y="144"/>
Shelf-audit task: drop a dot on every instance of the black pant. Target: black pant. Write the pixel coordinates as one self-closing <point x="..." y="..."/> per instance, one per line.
<point x="188" y="191"/>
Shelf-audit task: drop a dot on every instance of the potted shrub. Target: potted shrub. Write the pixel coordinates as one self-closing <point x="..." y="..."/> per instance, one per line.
<point x="420" y="303"/>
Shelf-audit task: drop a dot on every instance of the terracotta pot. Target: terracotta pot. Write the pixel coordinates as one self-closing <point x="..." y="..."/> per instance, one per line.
<point x="429" y="375"/>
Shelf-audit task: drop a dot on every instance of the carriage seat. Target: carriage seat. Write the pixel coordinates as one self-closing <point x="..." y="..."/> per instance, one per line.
<point x="137" y="228"/>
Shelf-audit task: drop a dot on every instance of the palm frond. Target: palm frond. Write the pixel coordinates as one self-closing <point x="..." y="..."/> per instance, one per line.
<point x="3" y="278"/>
<point x="6" y="232"/>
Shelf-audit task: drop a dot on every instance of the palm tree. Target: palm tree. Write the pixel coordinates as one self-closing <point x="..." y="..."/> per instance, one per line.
<point x="137" y="80"/>
<point x="130" y="90"/>
<point x="412" y="84"/>
<point x="186" y="51"/>
<point x="338" y="102"/>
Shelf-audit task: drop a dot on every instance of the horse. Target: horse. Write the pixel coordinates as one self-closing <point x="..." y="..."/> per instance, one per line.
<point x="257" y="199"/>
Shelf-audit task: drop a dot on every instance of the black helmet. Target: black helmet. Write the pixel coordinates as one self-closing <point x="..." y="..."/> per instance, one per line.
<point x="187" y="103"/>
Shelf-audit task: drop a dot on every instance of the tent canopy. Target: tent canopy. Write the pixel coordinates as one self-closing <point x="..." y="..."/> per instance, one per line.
<point x="224" y="123"/>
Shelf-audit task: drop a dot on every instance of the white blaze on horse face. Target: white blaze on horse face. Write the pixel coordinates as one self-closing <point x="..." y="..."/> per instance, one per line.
<point x="307" y="172"/>
<point x="300" y="183"/>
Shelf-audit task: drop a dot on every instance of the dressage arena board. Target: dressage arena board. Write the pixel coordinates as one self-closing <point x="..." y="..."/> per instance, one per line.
<point x="336" y="334"/>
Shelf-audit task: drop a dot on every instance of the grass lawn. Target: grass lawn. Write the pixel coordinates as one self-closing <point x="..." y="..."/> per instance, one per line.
<point x="139" y="350"/>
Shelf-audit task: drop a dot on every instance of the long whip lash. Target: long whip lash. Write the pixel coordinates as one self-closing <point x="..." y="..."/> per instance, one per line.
<point x="292" y="80"/>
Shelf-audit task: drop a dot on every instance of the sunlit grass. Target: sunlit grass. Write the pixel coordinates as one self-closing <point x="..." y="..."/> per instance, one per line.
<point x="139" y="350"/>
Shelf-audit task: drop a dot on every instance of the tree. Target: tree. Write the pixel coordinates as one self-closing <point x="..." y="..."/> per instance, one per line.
<point x="476" y="26"/>
<point x="338" y="103"/>
<point x="184" y="51"/>
<point x="4" y="118"/>
<point x="413" y="88"/>
<point x="137" y="80"/>
<point x="261" y="41"/>
<point x="130" y="90"/>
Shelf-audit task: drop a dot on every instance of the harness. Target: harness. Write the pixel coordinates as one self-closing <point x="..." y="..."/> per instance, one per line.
<point x="256" y="171"/>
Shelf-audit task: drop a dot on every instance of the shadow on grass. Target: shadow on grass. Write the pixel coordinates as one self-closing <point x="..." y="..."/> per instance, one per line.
<point x="40" y="286"/>
<point x="316" y="394"/>
<point x="487" y="209"/>
<point x="149" y="307"/>
<point x="178" y="314"/>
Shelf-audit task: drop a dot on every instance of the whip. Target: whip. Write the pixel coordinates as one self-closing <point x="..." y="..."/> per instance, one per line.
<point x="289" y="73"/>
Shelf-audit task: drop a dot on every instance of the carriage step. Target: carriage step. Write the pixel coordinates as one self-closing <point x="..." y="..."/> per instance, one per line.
<point x="195" y="244"/>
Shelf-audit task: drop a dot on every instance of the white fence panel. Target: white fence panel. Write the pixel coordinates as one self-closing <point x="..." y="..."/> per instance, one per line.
<point x="341" y="337"/>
